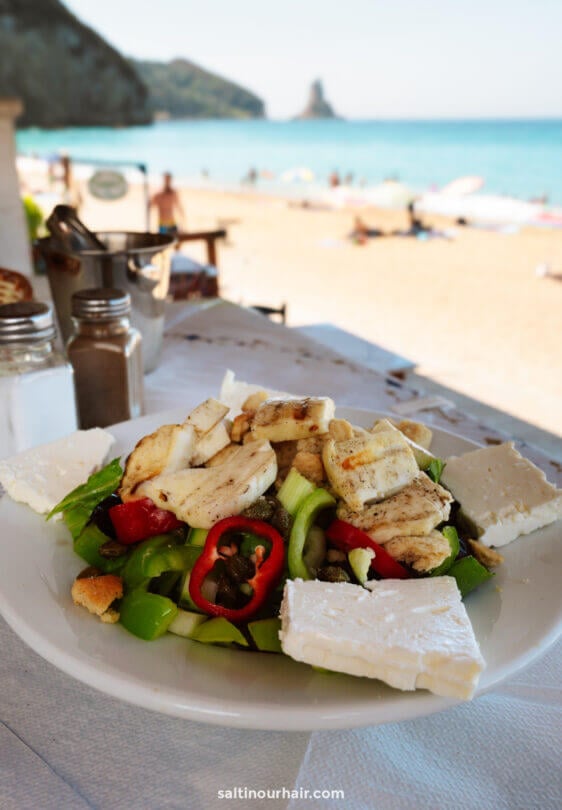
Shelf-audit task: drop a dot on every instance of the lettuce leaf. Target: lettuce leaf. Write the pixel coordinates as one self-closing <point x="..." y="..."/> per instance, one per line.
<point x="435" y="469"/>
<point x="79" y="504"/>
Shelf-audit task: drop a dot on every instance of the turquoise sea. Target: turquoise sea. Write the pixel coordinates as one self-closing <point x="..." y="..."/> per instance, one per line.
<point x="518" y="158"/>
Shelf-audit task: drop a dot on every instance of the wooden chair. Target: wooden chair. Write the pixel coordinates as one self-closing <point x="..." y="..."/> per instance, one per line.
<point x="197" y="281"/>
<point x="14" y="287"/>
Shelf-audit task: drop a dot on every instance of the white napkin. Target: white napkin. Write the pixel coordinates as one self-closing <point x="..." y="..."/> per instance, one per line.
<point x="500" y="751"/>
<point x="86" y="749"/>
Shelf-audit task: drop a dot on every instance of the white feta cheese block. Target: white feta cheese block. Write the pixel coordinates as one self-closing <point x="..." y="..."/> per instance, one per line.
<point x="411" y="634"/>
<point x="41" y="476"/>
<point x="502" y="494"/>
<point x="234" y="392"/>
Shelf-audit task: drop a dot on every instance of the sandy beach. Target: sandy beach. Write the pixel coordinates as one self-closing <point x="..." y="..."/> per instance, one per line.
<point x="470" y="311"/>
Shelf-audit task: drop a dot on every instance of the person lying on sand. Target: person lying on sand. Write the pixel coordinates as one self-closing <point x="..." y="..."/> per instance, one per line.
<point x="361" y="232"/>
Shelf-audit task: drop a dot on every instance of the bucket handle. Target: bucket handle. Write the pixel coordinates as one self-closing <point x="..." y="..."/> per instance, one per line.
<point x="147" y="276"/>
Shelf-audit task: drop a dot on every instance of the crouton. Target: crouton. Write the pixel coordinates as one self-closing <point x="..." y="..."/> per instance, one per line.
<point x="97" y="593"/>
<point x="253" y="402"/>
<point x="310" y="466"/>
<point x="486" y="556"/>
<point x="312" y="444"/>
<point x="340" y="430"/>
<point x="240" y="426"/>
<point x="415" y="431"/>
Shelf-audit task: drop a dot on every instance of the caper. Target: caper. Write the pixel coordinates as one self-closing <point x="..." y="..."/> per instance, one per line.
<point x="261" y="509"/>
<point x="332" y="573"/>
<point x="282" y="521"/>
<point x="89" y="573"/>
<point x="240" y="568"/>
<point x="112" y="549"/>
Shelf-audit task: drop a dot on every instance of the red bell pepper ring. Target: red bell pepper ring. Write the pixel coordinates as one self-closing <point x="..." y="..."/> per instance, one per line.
<point x="138" y="520"/>
<point x="347" y="537"/>
<point x="268" y="570"/>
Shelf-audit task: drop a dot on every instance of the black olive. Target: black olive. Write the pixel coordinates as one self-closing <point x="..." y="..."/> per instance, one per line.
<point x="100" y="515"/>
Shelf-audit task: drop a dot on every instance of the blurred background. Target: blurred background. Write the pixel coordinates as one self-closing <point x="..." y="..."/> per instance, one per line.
<point x="394" y="170"/>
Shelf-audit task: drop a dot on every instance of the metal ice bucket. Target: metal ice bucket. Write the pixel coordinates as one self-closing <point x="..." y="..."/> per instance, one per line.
<point x="138" y="263"/>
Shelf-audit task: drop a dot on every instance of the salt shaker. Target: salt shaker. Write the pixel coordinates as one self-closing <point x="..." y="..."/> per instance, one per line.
<point x="37" y="402"/>
<point x="105" y="353"/>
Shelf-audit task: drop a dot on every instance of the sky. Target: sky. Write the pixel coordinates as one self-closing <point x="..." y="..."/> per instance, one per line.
<point x="376" y="58"/>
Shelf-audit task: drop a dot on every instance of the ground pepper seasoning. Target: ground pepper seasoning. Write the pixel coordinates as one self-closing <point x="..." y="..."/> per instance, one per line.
<point x="105" y="353"/>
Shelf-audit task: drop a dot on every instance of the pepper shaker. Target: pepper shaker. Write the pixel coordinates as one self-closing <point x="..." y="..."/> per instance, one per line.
<point x="37" y="403"/>
<point x="105" y="353"/>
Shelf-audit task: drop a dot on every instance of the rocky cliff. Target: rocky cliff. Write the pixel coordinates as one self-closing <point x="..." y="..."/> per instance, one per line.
<point x="317" y="106"/>
<point x="63" y="71"/>
<point x="182" y="89"/>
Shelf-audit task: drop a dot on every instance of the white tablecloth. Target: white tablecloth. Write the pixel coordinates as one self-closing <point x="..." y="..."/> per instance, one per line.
<point x="65" y="745"/>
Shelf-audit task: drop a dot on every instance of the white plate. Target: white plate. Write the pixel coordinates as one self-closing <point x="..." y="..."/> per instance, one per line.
<point x="515" y="617"/>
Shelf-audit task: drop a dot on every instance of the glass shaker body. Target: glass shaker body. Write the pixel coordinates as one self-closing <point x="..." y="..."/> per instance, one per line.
<point x="105" y="353"/>
<point x="37" y="401"/>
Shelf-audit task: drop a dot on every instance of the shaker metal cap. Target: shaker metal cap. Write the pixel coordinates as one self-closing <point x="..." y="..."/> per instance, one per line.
<point x="100" y="303"/>
<point x="26" y="322"/>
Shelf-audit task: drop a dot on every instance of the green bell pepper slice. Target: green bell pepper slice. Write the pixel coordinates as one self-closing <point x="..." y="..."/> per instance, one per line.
<point x="265" y="634"/>
<point x="166" y="558"/>
<point x="469" y="574"/>
<point x="250" y="542"/>
<point x="134" y="572"/>
<point x="294" y="490"/>
<point x="313" y="504"/>
<point x="87" y="546"/>
<point x="147" y="615"/>
<point x="197" y="537"/>
<point x="450" y="534"/>
<point x="219" y="631"/>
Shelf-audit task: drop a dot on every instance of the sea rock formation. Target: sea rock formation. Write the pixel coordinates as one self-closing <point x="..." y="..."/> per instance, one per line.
<point x="64" y="72"/>
<point x="181" y="89"/>
<point x="317" y="106"/>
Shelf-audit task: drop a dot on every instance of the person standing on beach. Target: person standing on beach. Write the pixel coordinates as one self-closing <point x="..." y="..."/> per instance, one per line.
<point x="169" y="208"/>
<point x="71" y="191"/>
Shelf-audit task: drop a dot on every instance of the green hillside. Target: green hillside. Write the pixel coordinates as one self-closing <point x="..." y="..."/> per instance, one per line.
<point x="184" y="90"/>
<point x="65" y="73"/>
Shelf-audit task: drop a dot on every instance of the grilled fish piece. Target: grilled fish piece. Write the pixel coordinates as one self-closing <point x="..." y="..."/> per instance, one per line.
<point x="281" y="420"/>
<point x="421" y="454"/>
<point x="175" y="447"/>
<point x="423" y="553"/>
<point x="203" y="495"/>
<point x="369" y="466"/>
<point x="205" y="416"/>
<point x="209" y="445"/>
<point x="414" y="511"/>
<point x="167" y="449"/>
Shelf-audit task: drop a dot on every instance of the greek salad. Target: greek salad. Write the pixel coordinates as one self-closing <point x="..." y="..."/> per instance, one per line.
<point x="200" y="529"/>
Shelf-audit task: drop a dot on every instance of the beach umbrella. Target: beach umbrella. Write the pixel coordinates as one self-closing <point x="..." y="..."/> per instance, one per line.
<point x="463" y="186"/>
<point x="298" y="174"/>
<point x="390" y="194"/>
<point x="490" y="209"/>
